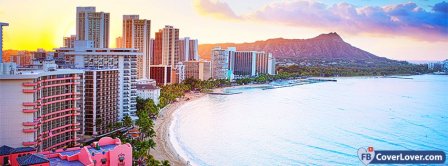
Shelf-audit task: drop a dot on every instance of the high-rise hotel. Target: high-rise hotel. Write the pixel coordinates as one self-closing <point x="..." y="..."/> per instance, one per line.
<point x="83" y="56"/>
<point x="166" y="55"/>
<point x="188" y="49"/>
<point x="39" y="107"/>
<point x="137" y="34"/>
<point x="92" y="25"/>
<point x="166" y="46"/>
<point x="1" y="40"/>
<point x="231" y="64"/>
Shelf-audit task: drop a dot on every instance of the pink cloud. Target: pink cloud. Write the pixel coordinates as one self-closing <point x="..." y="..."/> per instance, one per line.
<point x="405" y="19"/>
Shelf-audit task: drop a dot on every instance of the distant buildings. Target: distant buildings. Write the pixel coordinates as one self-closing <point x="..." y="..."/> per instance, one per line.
<point x="441" y="66"/>
<point x="200" y="70"/>
<point x="220" y="59"/>
<point x="166" y="56"/>
<point x="162" y="74"/>
<point x="230" y="64"/>
<point x="137" y="34"/>
<point x="178" y="74"/>
<point x="147" y="89"/>
<point x="92" y="25"/>
<point x="1" y="40"/>
<point x="69" y="42"/>
<point x="251" y="63"/>
<point x="188" y="49"/>
<point x="119" y="42"/>
<point x="166" y="47"/>
<point x="42" y="107"/>
<point x="445" y="65"/>
<point x="22" y="58"/>
<point x="123" y="59"/>
<point x="101" y="100"/>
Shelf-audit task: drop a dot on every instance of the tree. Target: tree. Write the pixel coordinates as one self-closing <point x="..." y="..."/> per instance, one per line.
<point x="127" y="121"/>
<point x="165" y="163"/>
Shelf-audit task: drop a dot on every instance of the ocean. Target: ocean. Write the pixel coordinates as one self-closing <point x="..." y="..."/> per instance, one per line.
<point x="314" y="124"/>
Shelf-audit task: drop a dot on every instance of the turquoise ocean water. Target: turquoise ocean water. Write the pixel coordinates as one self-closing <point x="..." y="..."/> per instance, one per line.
<point x="314" y="124"/>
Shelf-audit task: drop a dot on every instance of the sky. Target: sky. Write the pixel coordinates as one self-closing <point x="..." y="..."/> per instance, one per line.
<point x="401" y="29"/>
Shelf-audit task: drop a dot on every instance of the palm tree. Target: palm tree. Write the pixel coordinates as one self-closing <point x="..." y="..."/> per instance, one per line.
<point x="165" y="163"/>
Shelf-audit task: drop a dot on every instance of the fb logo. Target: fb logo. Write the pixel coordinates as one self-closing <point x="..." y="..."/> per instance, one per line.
<point x="366" y="155"/>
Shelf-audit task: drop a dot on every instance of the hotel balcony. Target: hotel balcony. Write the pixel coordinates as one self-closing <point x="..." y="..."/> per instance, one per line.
<point x="29" y="90"/>
<point x="29" y="110"/>
<point x="29" y="104"/>
<point x="28" y="143"/>
<point x="29" y="123"/>
<point x="29" y="84"/>
<point x="29" y="130"/>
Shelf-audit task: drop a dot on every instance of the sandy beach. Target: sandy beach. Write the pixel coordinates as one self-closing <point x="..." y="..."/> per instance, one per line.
<point x="164" y="150"/>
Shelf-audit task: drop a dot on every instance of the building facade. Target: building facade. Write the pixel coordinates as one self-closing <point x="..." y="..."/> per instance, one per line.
<point x="69" y="42"/>
<point x="220" y="62"/>
<point x="232" y="64"/>
<point x="251" y="63"/>
<point x="147" y="89"/>
<point x="188" y="49"/>
<point x="200" y="70"/>
<point x="92" y="25"/>
<point x="137" y="34"/>
<point x="22" y="59"/>
<point x="166" y="46"/>
<point x="162" y="74"/>
<point x="119" y="42"/>
<point x="1" y="40"/>
<point x="41" y="107"/>
<point x="101" y="101"/>
<point x="123" y="59"/>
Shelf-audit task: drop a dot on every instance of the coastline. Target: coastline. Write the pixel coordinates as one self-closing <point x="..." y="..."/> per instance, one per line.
<point x="164" y="149"/>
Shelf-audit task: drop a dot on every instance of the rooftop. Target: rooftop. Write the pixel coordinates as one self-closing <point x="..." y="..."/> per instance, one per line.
<point x="5" y="150"/>
<point x="32" y="159"/>
<point x="146" y="87"/>
<point x="22" y="149"/>
<point x="30" y="74"/>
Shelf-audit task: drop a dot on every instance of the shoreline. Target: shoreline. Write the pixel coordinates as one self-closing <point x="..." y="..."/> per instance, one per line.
<point x="164" y="149"/>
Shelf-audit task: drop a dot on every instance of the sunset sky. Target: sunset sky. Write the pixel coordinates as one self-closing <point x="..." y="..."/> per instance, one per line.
<point x="401" y="29"/>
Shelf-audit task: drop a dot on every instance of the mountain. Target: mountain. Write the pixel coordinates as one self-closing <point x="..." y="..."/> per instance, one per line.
<point x="328" y="49"/>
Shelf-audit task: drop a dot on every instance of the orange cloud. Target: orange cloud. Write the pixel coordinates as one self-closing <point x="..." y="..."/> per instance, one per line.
<point x="215" y="9"/>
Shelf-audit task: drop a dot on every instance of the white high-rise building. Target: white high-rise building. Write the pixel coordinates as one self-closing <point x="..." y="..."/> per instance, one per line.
<point x="1" y="40"/>
<point x="220" y="62"/>
<point x="92" y="25"/>
<point x="123" y="59"/>
<point x="137" y="34"/>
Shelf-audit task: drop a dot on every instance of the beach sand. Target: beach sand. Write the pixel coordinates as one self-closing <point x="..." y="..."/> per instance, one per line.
<point x="164" y="150"/>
